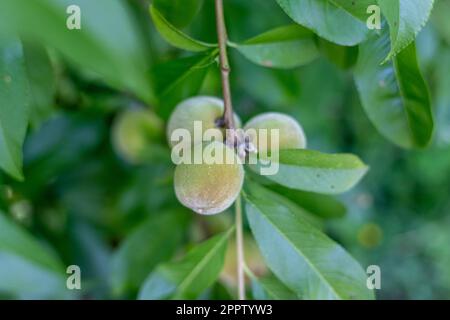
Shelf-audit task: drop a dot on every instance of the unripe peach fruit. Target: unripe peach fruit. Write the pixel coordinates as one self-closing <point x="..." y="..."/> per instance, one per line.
<point x="208" y="110"/>
<point x="133" y="131"/>
<point x="210" y="188"/>
<point x="291" y="135"/>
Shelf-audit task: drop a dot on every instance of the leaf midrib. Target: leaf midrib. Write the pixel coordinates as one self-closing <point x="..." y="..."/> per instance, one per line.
<point x="299" y="251"/>
<point x="196" y="270"/>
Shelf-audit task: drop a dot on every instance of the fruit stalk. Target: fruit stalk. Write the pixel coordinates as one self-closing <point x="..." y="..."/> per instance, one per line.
<point x="228" y="121"/>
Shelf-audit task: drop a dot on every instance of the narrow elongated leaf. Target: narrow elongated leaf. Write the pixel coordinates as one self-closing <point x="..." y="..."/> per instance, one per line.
<point x="178" y="12"/>
<point x="14" y="106"/>
<point x="188" y="278"/>
<point x="28" y="269"/>
<point x="42" y="82"/>
<point x="270" y="288"/>
<point x="179" y="79"/>
<point x="284" y="47"/>
<point x="108" y="42"/>
<point x="333" y="20"/>
<point x="314" y="171"/>
<point x="25" y="280"/>
<point x="301" y="256"/>
<point x="174" y="36"/>
<point x="153" y="242"/>
<point x="405" y="18"/>
<point x="321" y="205"/>
<point x="15" y="240"/>
<point x="293" y="207"/>
<point x="394" y="95"/>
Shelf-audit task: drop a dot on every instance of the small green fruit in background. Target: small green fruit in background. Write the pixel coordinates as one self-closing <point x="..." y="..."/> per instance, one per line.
<point x="210" y="188"/>
<point x="133" y="132"/>
<point x="205" y="109"/>
<point x="291" y="133"/>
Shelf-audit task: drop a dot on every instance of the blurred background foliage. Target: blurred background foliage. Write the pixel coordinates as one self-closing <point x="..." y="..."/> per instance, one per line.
<point x="83" y="202"/>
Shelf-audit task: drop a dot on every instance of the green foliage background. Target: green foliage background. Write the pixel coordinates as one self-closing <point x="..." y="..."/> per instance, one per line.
<point x="81" y="202"/>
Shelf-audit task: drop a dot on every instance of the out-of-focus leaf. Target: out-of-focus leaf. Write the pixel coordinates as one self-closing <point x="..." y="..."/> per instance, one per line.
<point x="284" y="47"/>
<point x="301" y="256"/>
<point x="188" y="278"/>
<point x="394" y="95"/>
<point x="322" y="205"/>
<point x="335" y="20"/>
<point x="14" y="106"/>
<point x="443" y="98"/>
<point x="270" y="288"/>
<point x="107" y="43"/>
<point x="42" y="82"/>
<point x="314" y="171"/>
<point x="179" y="79"/>
<point x="178" y="12"/>
<point x="91" y="253"/>
<point x="405" y="18"/>
<point x="176" y="37"/>
<point x="440" y="19"/>
<point x="151" y="243"/>
<point x="24" y="279"/>
<point x="342" y="56"/>
<point x="58" y="146"/>
<point x="28" y="269"/>
<point x="15" y="240"/>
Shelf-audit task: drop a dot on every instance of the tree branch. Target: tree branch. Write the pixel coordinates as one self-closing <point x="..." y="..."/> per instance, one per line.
<point x="240" y="249"/>
<point x="228" y="122"/>
<point x="228" y="119"/>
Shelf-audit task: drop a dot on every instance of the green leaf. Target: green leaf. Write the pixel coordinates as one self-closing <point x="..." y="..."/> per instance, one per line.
<point x="174" y="36"/>
<point x="284" y="47"/>
<point x="153" y="242"/>
<point x="440" y="19"/>
<point x="14" y="106"/>
<point x="343" y="57"/>
<point x="15" y="240"/>
<point x="42" y="82"/>
<point x="302" y="257"/>
<point x="405" y="18"/>
<point x="24" y="279"/>
<point x="336" y="21"/>
<point x="28" y="269"/>
<point x="358" y="8"/>
<point x="321" y="205"/>
<point x="179" y="79"/>
<point x="108" y="42"/>
<point x="314" y="171"/>
<point x="394" y="95"/>
<point x="269" y="288"/>
<point x="293" y="207"/>
<point x="178" y="12"/>
<point x="442" y="98"/>
<point x="188" y="278"/>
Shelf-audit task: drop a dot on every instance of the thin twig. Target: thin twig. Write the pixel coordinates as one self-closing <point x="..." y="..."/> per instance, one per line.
<point x="240" y="250"/>
<point x="228" y="122"/>
<point x="224" y="66"/>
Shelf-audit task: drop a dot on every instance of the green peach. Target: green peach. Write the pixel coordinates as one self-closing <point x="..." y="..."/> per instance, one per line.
<point x="210" y="188"/>
<point x="133" y="131"/>
<point x="202" y="108"/>
<point x="291" y="134"/>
